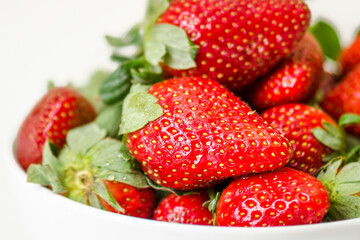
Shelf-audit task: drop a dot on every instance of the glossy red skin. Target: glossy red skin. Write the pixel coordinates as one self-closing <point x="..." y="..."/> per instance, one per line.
<point x="60" y="110"/>
<point x="345" y="98"/>
<point x="294" y="80"/>
<point x="205" y="135"/>
<point x="239" y="40"/>
<point x="280" y="198"/>
<point x="350" y="56"/>
<point x="186" y="209"/>
<point x="295" y="122"/>
<point x="136" y="202"/>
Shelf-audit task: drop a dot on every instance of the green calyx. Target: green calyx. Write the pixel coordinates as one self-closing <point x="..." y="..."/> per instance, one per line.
<point x="335" y="138"/>
<point x="343" y="185"/>
<point x="79" y="169"/>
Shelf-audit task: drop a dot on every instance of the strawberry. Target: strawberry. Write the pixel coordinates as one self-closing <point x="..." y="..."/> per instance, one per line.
<point x="136" y="202"/>
<point x="238" y="40"/>
<point x="345" y="98"/>
<point x="93" y="170"/>
<point x="187" y="209"/>
<point x="350" y="56"/>
<point x="283" y="197"/>
<point x="296" y="122"/>
<point x="205" y="135"/>
<point x="60" y="110"/>
<point x="294" y="80"/>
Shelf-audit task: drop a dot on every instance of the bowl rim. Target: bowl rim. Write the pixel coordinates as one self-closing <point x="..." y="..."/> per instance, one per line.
<point x="15" y="168"/>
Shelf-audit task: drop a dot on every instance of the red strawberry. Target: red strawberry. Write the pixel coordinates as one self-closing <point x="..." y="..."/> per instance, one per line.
<point x="136" y="202"/>
<point x="350" y="56"/>
<point x="345" y="98"/>
<point x="205" y="135"/>
<point x="294" y="80"/>
<point x="296" y="122"/>
<point x="239" y="40"/>
<point x="58" y="111"/>
<point x="184" y="209"/>
<point x="280" y="198"/>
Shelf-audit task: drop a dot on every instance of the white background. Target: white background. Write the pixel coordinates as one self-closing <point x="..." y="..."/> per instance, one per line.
<point x="62" y="41"/>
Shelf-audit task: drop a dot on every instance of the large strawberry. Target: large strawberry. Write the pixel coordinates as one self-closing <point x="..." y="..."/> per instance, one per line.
<point x="60" y="110"/>
<point x="279" y="198"/>
<point x="187" y="209"/>
<point x="296" y="122"/>
<point x="345" y="98"/>
<point x="94" y="170"/>
<point x="294" y="80"/>
<point x="205" y="135"/>
<point x="238" y="40"/>
<point x="350" y="56"/>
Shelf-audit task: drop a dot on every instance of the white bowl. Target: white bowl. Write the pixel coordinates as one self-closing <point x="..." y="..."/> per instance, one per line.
<point x="64" y="40"/>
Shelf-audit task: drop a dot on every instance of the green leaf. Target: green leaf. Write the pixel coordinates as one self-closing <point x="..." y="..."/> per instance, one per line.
<point x="139" y="109"/>
<point x="132" y="37"/>
<point x="347" y="181"/>
<point x="328" y="175"/>
<point x="166" y="189"/>
<point x="344" y="207"/>
<point x="119" y="58"/>
<point x="82" y="138"/>
<point x="110" y="119"/>
<point x="49" y="157"/>
<point x="155" y="8"/>
<point x="327" y="37"/>
<point x="116" y="86"/>
<point x="148" y="74"/>
<point x="353" y="155"/>
<point x="351" y="141"/>
<point x="46" y="176"/>
<point x="348" y="119"/>
<point x="170" y="44"/>
<point x="333" y="130"/>
<point x="91" y="90"/>
<point x="110" y="164"/>
<point x="327" y="139"/>
<point x="94" y="201"/>
<point x="101" y="190"/>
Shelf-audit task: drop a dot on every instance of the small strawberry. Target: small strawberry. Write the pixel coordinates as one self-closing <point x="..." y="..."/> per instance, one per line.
<point x="296" y="122"/>
<point x="60" y="110"/>
<point x="345" y="98"/>
<point x="350" y="56"/>
<point x="294" y="80"/>
<point x="135" y="202"/>
<point x="205" y="135"/>
<point x="283" y="197"/>
<point x="187" y="209"/>
<point x="95" y="171"/>
<point x="238" y="40"/>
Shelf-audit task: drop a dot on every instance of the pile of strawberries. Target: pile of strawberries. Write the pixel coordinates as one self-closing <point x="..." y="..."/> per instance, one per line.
<point x="219" y="118"/>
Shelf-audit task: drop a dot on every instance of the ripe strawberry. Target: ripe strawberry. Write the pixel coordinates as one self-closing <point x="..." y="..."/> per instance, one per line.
<point x="350" y="56"/>
<point x="296" y="122"/>
<point x="58" y="111"/>
<point x="294" y="80"/>
<point x="279" y="198"/>
<point x="345" y="98"/>
<point x="136" y="202"/>
<point x="205" y="135"/>
<point x="238" y="40"/>
<point x="187" y="209"/>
